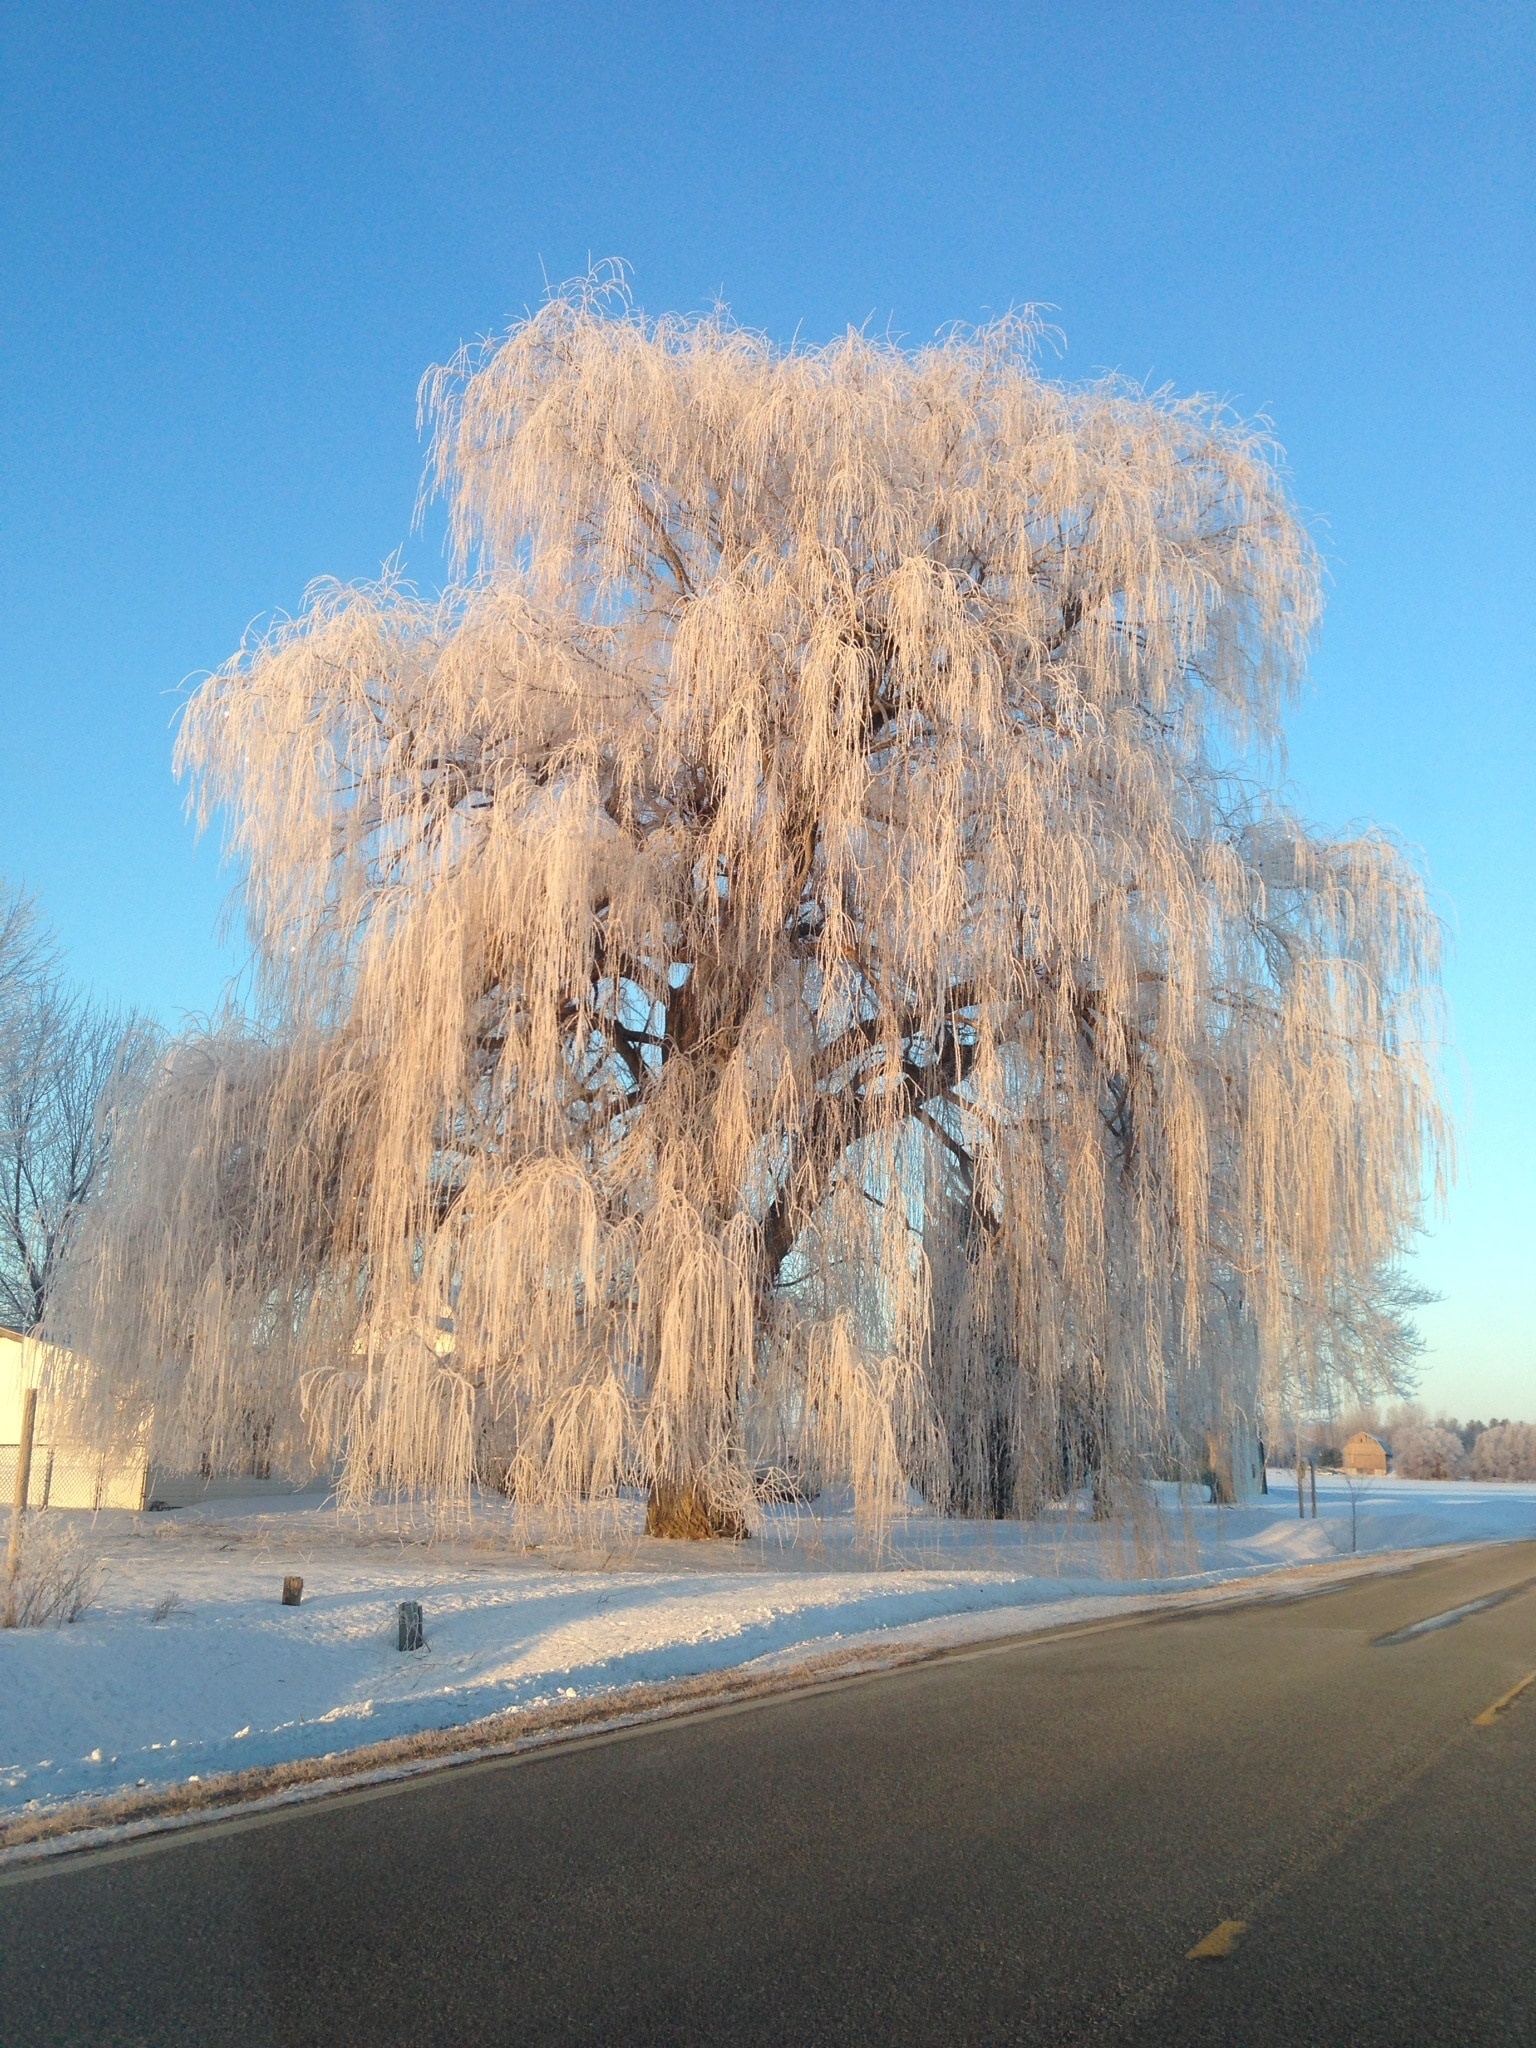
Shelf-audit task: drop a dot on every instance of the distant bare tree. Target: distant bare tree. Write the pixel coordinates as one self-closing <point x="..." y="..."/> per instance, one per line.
<point x="26" y="953"/>
<point x="65" y="1063"/>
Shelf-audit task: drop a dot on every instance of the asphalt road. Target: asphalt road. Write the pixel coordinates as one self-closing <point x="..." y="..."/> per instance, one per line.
<point x="1012" y="1845"/>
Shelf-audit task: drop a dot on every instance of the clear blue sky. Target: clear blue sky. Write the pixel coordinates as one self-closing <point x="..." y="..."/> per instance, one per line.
<point x="234" y="236"/>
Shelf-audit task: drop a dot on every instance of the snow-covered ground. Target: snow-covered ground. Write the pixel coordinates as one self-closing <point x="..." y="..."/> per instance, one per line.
<point x="188" y="1665"/>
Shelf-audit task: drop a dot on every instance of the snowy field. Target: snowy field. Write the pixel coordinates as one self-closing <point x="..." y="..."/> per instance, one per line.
<point x="188" y="1665"/>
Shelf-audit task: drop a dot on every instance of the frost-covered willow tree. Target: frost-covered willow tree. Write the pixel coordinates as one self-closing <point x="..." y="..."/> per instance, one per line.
<point x="793" y="960"/>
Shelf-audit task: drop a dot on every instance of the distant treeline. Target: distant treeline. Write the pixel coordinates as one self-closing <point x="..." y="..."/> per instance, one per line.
<point x="1425" y="1447"/>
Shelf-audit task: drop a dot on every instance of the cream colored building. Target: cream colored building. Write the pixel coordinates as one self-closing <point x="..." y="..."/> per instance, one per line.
<point x="69" y="1475"/>
<point x="64" y="1474"/>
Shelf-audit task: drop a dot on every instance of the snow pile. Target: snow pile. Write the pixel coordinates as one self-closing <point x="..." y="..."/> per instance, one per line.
<point x="189" y="1665"/>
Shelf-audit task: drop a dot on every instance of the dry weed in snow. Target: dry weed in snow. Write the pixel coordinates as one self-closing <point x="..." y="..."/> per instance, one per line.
<point x="60" y="1575"/>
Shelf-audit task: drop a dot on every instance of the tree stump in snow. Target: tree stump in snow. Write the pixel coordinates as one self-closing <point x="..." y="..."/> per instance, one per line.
<point x="293" y="1592"/>
<point x="691" y="1513"/>
<point x="411" y="1635"/>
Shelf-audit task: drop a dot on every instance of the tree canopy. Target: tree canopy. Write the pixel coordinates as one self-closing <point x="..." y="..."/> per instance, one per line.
<point x="799" y="956"/>
<point x="68" y="1064"/>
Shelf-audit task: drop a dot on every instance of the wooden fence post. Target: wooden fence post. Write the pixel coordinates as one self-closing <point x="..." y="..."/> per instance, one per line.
<point x="19" y="1502"/>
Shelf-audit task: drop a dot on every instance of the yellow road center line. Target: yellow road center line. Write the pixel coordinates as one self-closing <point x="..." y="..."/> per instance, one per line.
<point x="1489" y="1715"/>
<point x="1223" y="1939"/>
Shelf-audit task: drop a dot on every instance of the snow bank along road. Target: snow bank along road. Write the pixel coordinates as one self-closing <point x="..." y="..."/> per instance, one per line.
<point x="1016" y="1843"/>
<point x="189" y="1667"/>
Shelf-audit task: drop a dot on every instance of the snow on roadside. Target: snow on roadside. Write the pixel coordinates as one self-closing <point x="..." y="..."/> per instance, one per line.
<point x="229" y="1679"/>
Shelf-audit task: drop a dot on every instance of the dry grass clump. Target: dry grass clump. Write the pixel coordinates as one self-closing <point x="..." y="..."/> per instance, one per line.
<point x="58" y="1576"/>
<point x="797" y="959"/>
